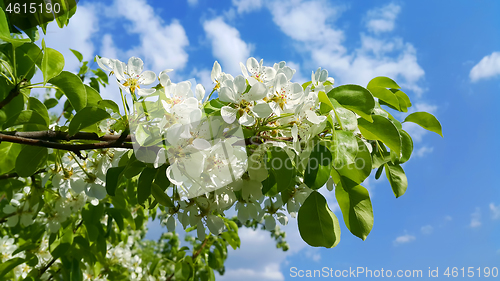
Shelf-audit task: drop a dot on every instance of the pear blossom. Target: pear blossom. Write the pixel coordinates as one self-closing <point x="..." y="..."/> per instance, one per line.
<point x="258" y="72"/>
<point x="244" y="103"/>
<point x="218" y="77"/>
<point x="131" y="76"/>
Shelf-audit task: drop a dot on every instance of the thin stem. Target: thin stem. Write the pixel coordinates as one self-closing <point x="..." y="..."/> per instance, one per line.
<point x="47" y="87"/>
<point x="14" y="77"/>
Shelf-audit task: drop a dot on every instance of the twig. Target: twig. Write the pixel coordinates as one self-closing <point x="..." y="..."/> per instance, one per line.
<point x="63" y="146"/>
<point x="201" y="248"/>
<point x="50" y="135"/>
<point x="12" y="94"/>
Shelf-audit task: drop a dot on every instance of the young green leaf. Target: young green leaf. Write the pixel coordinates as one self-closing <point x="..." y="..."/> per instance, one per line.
<point x="284" y="171"/>
<point x="144" y="185"/>
<point x="77" y="54"/>
<point x="318" y="225"/>
<point x="344" y="148"/>
<point x="397" y="178"/>
<point x="361" y="168"/>
<point x="355" y="98"/>
<point x="381" y="129"/>
<point x="318" y="167"/>
<point x="52" y="64"/>
<point x="160" y="196"/>
<point x="26" y="117"/>
<point x="72" y="86"/>
<point x="426" y="121"/>
<point x="30" y="160"/>
<point x="85" y="118"/>
<point x="112" y="178"/>
<point x="354" y="202"/>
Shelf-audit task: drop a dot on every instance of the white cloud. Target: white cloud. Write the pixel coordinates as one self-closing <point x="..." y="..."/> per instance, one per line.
<point x="382" y="19"/>
<point x="161" y="46"/>
<point x="192" y="3"/>
<point x="495" y="211"/>
<point x="427" y="229"/>
<point x="245" y="6"/>
<point x="421" y="152"/>
<point x="77" y="35"/>
<point x="227" y="45"/>
<point x="488" y="67"/>
<point x="448" y="218"/>
<point x="475" y="218"/>
<point x="318" y="37"/>
<point x="407" y="238"/>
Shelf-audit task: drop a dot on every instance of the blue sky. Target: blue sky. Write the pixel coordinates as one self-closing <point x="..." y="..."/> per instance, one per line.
<point x="445" y="55"/>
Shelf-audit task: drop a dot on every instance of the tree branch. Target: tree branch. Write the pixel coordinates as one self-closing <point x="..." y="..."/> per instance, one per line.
<point x="69" y="147"/>
<point x="15" y="175"/>
<point x="12" y="94"/>
<point x="50" y="135"/>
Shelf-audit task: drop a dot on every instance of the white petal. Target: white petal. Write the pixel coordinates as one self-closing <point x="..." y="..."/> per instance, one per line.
<point x="246" y="120"/>
<point x="228" y="114"/>
<point x="216" y="71"/>
<point x="173" y="133"/>
<point x="135" y="66"/>
<point x="253" y="66"/>
<point x="200" y="92"/>
<point x="257" y="92"/>
<point x="243" y="70"/>
<point x="201" y="144"/>
<point x="240" y="84"/>
<point x="144" y="92"/>
<point x="120" y="68"/>
<point x="147" y="77"/>
<point x="262" y="110"/>
<point x="104" y="63"/>
<point x="269" y="73"/>
<point x="183" y="90"/>
<point x="227" y="94"/>
<point x="313" y="118"/>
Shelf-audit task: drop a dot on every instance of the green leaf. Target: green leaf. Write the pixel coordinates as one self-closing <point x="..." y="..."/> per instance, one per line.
<point x="355" y="98"/>
<point x="9" y="265"/>
<point x="109" y="104"/>
<point x="361" y="168"/>
<point x="404" y="100"/>
<point x="397" y="178"/>
<point x="30" y="160"/>
<point x="51" y="103"/>
<point x="144" y="185"/>
<point x="344" y="148"/>
<point x="8" y="153"/>
<point x="26" y="117"/>
<point x="345" y="117"/>
<point x="406" y="146"/>
<point x="384" y="82"/>
<point x="73" y="87"/>
<point x="28" y="56"/>
<point x="117" y="216"/>
<point x="77" y="54"/>
<point x="36" y="105"/>
<point x="318" y="167"/>
<point x="269" y="185"/>
<point x="76" y="272"/>
<point x="379" y="172"/>
<point x="183" y="270"/>
<point x="426" y="121"/>
<point x="5" y="33"/>
<point x="160" y="196"/>
<point x="354" y="202"/>
<point x="381" y="129"/>
<point x="52" y="63"/>
<point x="112" y="178"/>
<point x="282" y="166"/>
<point x="385" y="95"/>
<point x="318" y="225"/>
<point x="86" y="117"/>
<point x="93" y="97"/>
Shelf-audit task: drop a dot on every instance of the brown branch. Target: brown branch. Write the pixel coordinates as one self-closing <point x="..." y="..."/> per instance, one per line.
<point x="12" y="94"/>
<point x="50" y="135"/>
<point x="63" y="146"/>
<point x="201" y="248"/>
<point x="15" y="175"/>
